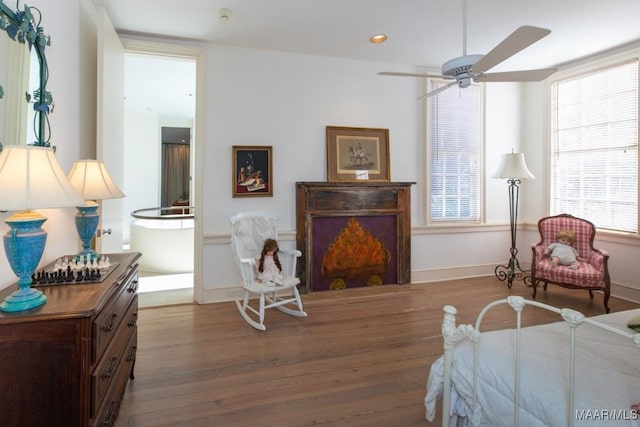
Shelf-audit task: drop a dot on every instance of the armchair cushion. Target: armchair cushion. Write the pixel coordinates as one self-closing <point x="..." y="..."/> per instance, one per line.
<point x="587" y="275"/>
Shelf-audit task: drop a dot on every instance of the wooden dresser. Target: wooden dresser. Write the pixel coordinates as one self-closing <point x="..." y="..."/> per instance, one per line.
<point x="66" y="363"/>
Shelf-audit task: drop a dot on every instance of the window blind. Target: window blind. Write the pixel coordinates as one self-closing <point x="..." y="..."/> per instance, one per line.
<point x="455" y="150"/>
<point x="594" y="147"/>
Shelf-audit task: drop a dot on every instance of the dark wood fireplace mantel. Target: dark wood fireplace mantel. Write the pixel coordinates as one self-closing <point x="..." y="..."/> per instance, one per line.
<point x="381" y="211"/>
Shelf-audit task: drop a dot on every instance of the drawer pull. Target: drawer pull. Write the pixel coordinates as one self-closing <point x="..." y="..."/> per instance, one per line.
<point x="134" y="319"/>
<point x="132" y="354"/>
<point x="113" y="363"/>
<point x="108" y="326"/>
<point x="132" y="286"/>
<point x="110" y="416"/>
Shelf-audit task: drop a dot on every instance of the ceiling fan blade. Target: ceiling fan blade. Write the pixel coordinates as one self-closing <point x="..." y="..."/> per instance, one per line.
<point x="521" y="38"/>
<point x="437" y="91"/>
<point x="517" y="76"/>
<point x="392" y="73"/>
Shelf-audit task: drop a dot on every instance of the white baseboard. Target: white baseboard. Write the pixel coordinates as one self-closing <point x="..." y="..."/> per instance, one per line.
<point x="625" y="292"/>
<point x="229" y="294"/>
<point x="440" y="274"/>
<point x="221" y="295"/>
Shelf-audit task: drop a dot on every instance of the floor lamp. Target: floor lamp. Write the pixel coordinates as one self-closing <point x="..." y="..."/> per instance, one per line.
<point x="514" y="169"/>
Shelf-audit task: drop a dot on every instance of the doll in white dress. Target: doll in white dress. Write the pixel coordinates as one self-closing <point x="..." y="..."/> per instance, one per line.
<point x="269" y="267"/>
<point x="562" y="252"/>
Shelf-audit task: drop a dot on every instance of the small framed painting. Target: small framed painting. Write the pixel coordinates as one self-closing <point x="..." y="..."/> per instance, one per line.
<point x="357" y="154"/>
<point x="252" y="176"/>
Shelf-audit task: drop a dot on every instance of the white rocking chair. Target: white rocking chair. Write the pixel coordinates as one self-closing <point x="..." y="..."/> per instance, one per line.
<point x="249" y="230"/>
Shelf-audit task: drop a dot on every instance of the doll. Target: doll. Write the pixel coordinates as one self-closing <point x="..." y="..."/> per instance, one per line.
<point x="269" y="267"/>
<point x="562" y="252"/>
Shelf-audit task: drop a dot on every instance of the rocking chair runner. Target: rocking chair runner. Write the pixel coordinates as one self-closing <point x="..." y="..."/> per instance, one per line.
<point x="593" y="271"/>
<point x="249" y="230"/>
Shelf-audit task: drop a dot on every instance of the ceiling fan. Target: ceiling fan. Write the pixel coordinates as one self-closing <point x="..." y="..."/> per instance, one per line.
<point x="467" y="68"/>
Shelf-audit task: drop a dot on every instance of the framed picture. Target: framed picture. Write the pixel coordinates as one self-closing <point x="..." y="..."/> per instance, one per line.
<point x="357" y="154"/>
<point x="252" y="176"/>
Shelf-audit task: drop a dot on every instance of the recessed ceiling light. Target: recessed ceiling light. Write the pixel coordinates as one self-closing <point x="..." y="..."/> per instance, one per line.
<point x="378" y="38"/>
<point x="224" y="14"/>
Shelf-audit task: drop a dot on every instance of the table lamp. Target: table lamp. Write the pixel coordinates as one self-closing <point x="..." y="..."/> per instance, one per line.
<point x="30" y="178"/>
<point x="92" y="181"/>
<point x="514" y="169"/>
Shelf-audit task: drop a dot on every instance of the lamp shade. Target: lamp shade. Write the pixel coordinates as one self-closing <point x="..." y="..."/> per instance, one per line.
<point x="31" y="178"/>
<point x="512" y="166"/>
<point x="91" y="179"/>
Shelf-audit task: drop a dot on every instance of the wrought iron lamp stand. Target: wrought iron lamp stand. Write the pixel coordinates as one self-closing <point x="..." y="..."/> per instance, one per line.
<point x="512" y="270"/>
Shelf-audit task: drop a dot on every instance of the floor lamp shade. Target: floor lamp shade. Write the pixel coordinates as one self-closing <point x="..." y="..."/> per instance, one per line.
<point x="512" y="165"/>
<point x="93" y="182"/>
<point x="30" y="178"/>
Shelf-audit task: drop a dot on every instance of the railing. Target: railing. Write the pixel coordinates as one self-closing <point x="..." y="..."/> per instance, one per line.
<point x="171" y="213"/>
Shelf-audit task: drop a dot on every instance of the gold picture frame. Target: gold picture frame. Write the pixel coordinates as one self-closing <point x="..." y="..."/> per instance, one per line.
<point x="252" y="171"/>
<point x="357" y="154"/>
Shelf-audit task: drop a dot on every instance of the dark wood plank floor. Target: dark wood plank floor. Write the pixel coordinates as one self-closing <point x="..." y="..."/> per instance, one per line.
<point x="361" y="358"/>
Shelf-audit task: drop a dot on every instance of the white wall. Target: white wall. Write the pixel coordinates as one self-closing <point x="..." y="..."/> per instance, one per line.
<point x="69" y="58"/>
<point x="285" y="100"/>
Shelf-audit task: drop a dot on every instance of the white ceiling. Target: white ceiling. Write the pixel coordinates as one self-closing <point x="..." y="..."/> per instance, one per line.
<point x="160" y="86"/>
<point x="421" y="33"/>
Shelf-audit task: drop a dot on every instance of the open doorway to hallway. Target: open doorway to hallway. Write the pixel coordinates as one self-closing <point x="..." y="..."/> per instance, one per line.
<point x="160" y="109"/>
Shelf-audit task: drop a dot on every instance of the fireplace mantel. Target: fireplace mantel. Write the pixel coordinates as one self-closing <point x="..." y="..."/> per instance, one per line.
<point x="379" y="206"/>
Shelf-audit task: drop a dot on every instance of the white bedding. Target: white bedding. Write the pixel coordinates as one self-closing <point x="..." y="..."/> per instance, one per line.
<point x="607" y="376"/>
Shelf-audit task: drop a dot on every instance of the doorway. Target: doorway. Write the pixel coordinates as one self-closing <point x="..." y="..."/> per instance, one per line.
<point x="159" y="128"/>
<point x="176" y="167"/>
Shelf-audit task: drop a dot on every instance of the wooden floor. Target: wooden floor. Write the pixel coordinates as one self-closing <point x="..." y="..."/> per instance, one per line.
<point x="361" y="358"/>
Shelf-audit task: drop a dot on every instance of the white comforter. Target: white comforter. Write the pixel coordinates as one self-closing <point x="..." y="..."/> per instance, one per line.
<point x="607" y="377"/>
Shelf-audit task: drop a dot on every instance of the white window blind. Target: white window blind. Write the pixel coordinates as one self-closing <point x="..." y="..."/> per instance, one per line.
<point x="594" y="147"/>
<point x="455" y="153"/>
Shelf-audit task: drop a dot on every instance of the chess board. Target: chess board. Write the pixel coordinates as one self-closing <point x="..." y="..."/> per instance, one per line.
<point x="50" y="276"/>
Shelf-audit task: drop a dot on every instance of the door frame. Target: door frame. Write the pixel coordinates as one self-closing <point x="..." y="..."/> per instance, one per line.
<point x="196" y="53"/>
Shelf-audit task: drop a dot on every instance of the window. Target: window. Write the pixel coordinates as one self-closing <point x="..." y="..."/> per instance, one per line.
<point x="455" y="137"/>
<point x="594" y="146"/>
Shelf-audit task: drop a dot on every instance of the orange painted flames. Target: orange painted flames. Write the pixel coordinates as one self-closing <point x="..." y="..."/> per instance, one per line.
<point x="355" y="252"/>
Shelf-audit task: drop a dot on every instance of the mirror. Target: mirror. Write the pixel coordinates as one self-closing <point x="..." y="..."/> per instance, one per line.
<point x="25" y="78"/>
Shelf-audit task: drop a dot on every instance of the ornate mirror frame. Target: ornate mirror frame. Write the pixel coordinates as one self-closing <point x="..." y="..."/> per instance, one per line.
<point x="23" y="26"/>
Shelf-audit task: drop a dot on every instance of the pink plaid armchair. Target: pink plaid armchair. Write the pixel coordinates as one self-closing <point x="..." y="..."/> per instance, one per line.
<point x="593" y="272"/>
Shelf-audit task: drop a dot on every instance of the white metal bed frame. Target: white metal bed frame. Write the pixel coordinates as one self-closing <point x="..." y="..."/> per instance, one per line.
<point x="453" y="334"/>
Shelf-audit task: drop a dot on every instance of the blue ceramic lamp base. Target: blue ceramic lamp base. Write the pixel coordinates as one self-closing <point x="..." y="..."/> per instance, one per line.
<point x="87" y="220"/>
<point x="24" y="246"/>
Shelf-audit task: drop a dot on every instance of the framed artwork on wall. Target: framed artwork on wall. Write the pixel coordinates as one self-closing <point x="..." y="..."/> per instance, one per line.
<point x="252" y="171"/>
<point x="357" y="154"/>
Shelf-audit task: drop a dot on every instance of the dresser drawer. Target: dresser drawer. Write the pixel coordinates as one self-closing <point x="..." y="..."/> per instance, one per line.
<point x="114" y="358"/>
<point x="106" y="414"/>
<point x="108" y="320"/>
